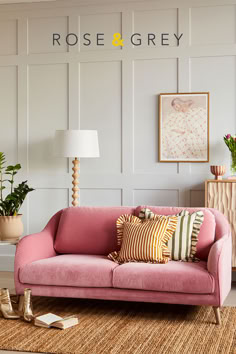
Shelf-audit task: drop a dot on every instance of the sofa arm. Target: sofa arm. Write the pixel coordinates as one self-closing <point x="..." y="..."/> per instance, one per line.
<point x="36" y="246"/>
<point x="219" y="264"/>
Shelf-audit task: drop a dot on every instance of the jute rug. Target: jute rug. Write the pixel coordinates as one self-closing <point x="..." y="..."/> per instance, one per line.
<point x="123" y="327"/>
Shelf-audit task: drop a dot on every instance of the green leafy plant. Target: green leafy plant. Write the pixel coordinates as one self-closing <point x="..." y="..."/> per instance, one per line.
<point x="230" y="141"/>
<point x="11" y="204"/>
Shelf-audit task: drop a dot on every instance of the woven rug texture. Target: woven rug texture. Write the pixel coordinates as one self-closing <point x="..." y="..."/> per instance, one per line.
<point x="123" y="327"/>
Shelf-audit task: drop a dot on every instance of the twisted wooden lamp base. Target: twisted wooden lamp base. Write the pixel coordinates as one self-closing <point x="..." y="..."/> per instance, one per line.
<point x="75" y="182"/>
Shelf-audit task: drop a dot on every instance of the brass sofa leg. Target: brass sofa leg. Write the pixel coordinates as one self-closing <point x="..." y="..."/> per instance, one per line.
<point x="217" y="315"/>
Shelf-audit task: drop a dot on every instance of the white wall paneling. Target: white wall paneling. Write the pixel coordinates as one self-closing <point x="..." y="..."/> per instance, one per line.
<point x="49" y="201"/>
<point x="217" y="23"/>
<point x="218" y="76"/>
<point x="8" y="37"/>
<point x="197" y="197"/>
<point x="101" y="197"/>
<point x="114" y="90"/>
<point x="48" y="110"/>
<point x="39" y="40"/>
<point x="8" y="111"/>
<point x="150" y="77"/>
<point x="101" y="110"/>
<point x="156" y="197"/>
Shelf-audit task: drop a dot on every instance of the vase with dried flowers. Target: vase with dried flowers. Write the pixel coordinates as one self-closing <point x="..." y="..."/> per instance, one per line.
<point x="230" y="141"/>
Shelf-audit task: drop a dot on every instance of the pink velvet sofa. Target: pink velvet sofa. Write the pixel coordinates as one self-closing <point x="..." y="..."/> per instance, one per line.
<point x="69" y="259"/>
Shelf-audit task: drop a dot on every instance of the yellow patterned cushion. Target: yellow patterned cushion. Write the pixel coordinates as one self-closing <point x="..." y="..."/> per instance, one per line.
<point x="146" y="241"/>
<point x="120" y="222"/>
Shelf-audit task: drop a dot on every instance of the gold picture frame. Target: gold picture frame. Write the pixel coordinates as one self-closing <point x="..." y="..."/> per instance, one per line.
<point x="184" y="127"/>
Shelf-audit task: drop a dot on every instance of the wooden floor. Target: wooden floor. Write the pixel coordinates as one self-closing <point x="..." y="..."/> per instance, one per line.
<point x="7" y="281"/>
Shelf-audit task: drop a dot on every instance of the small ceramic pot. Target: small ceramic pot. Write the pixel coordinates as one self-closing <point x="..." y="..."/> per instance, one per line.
<point x="11" y="228"/>
<point x="218" y="171"/>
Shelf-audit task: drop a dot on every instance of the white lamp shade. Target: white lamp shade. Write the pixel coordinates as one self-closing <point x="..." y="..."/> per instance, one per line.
<point x="76" y="143"/>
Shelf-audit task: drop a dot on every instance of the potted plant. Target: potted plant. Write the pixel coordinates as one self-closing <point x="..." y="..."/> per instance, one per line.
<point x="11" y="226"/>
<point x="230" y="141"/>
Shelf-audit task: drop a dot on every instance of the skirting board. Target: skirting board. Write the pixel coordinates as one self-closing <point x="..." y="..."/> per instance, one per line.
<point x="7" y="263"/>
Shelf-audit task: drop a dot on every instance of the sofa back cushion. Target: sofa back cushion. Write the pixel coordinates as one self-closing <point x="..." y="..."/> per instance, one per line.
<point x="206" y="235"/>
<point x="89" y="230"/>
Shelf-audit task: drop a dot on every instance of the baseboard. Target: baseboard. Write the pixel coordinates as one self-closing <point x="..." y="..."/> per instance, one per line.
<point x="7" y="263"/>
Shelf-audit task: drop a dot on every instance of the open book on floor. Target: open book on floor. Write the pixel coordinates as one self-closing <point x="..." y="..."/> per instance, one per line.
<point x="50" y="320"/>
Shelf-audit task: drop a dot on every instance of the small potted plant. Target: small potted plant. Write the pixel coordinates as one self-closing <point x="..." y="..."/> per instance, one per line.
<point x="11" y="226"/>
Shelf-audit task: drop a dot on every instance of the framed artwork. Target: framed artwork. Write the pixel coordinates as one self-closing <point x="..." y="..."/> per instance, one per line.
<point x="184" y="127"/>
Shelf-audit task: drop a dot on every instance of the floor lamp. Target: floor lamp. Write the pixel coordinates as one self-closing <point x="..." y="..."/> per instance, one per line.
<point x="76" y="144"/>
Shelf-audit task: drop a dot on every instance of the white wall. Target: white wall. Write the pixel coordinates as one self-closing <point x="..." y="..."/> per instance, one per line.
<point x="113" y="90"/>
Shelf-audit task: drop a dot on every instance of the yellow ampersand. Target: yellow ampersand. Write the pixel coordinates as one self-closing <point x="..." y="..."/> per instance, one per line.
<point x="117" y="41"/>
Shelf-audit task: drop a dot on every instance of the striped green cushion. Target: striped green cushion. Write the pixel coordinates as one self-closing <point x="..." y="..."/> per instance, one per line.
<point x="183" y="244"/>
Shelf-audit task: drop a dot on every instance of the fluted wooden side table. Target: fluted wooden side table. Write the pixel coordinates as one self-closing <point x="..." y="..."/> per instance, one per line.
<point x="221" y="195"/>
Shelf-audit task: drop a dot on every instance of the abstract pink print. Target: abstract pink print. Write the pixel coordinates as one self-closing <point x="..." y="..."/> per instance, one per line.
<point x="184" y="127"/>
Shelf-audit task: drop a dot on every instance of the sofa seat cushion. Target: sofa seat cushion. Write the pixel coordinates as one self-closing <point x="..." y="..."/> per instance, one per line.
<point x="180" y="277"/>
<point x="70" y="270"/>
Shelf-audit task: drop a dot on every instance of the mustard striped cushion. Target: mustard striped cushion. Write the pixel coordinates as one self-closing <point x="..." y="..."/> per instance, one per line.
<point x="120" y="225"/>
<point x="146" y="242"/>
